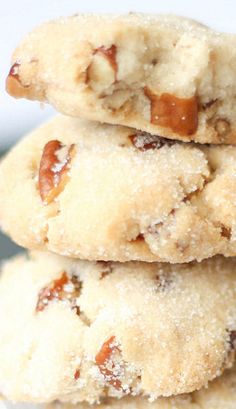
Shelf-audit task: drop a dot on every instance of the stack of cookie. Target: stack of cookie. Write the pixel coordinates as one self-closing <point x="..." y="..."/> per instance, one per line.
<point x="117" y="301"/>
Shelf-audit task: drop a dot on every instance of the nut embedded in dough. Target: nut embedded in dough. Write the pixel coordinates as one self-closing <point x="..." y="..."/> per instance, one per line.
<point x="53" y="170"/>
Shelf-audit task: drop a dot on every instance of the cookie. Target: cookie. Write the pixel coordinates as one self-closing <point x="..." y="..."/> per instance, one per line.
<point x="103" y="192"/>
<point x="81" y="331"/>
<point x="165" y="75"/>
<point x="221" y="394"/>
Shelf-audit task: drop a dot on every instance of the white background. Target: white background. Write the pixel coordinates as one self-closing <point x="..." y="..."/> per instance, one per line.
<point x="17" y="17"/>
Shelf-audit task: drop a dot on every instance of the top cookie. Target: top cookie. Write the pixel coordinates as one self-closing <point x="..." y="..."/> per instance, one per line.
<point x="163" y="74"/>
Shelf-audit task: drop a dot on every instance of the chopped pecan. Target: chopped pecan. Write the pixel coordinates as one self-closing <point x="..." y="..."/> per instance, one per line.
<point x="110" y="54"/>
<point x="77" y="374"/>
<point x="104" y="361"/>
<point x="53" y="170"/>
<point x="14" y="70"/>
<point x="178" y="114"/>
<point x="14" y="85"/>
<point x="145" y="141"/>
<point x="64" y="288"/>
<point x="105" y="352"/>
<point x="102" y="71"/>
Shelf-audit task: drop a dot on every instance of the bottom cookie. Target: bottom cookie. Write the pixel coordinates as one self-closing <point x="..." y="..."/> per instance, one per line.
<point x="80" y="331"/>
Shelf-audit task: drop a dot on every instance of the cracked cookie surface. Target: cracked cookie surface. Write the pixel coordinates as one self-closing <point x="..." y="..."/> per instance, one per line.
<point x="82" y="331"/>
<point x="165" y="75"/>
<point x="103" y="192"/>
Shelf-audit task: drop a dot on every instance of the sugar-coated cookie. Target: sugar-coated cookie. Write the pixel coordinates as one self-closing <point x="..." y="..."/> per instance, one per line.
<point x="81" y="331"/>
<point x="166" y="75"/>
<point x="221" y="394"/>
<point x="102" y="192"/>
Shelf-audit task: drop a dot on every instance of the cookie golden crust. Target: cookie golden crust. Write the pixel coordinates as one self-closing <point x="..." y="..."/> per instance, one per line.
<point x="220" y="394"/>
<point x="81" y="331"/>
<point x="103" y="192"/>
<point x="165" y="75"/>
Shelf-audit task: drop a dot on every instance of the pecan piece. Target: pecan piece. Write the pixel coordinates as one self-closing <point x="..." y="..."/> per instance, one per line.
<point x="53" y="170"/>
<point x="109" y="54"/>
<point x="178" y="114"/>
<point x="104" y="361"/>
<point x="14" y="71"/>
<point x="102" y="71"/>
<point x="14" y="86"/>
<point x="145" y="141"/>
<point x="64" y="288"/>
<point x="77" y="374"/>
